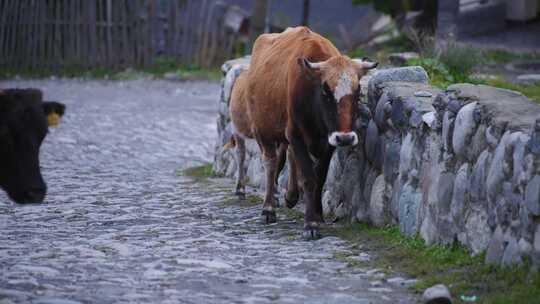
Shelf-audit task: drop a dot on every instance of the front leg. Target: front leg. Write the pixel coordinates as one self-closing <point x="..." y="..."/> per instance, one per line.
<point x="308" y="181"/>
<point x="322" y="171"/>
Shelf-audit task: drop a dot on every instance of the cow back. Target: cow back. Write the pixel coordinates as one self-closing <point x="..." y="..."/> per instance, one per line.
<point x="12" y="100"/>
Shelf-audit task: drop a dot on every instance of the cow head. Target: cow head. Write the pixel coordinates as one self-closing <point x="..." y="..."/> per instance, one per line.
<point x="24" y="121"/>
<point x="337" y="91"/>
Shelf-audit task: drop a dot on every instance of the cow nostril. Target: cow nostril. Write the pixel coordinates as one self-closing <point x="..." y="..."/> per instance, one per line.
<point x="344" y="140"/>
<point x="347" y="139"/>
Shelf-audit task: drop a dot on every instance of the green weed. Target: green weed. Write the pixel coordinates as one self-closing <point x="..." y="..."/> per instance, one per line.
<point x="158" y="68"/>
<point x="450" y="265"/>
<point x="199" y="172"/>
<point x="502" y="56"/>
<point x="532" y="91"/>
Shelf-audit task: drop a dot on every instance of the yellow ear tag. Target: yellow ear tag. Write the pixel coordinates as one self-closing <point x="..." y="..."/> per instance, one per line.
<point x="53" y="119"/>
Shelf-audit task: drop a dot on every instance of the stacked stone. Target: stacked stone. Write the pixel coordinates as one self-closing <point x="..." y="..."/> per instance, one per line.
<point x="461" y="165"/>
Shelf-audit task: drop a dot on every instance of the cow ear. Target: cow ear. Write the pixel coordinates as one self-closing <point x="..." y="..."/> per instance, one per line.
<point x="54" y="112"/>
<point x="365" y="64"/>
<point x="312" y="70"/>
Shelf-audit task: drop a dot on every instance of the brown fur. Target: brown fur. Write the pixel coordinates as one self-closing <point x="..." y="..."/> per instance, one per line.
<point x="286" y="71"/>
<point x="242" y="129"/>
<point x="238" y="109"/>
<point x="273" y="66"/>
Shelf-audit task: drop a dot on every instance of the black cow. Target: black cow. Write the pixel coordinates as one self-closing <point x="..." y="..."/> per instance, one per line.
<point x="24" y="122"/>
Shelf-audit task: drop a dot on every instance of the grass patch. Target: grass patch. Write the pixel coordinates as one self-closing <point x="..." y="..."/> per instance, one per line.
<point x="291" y="213"/>
<point x="438" y="73"/>
<point x="452" y="64"/>
<point x="532" y="91"/>
<point x="452" y="266"/>
<point x="199" y="74"/>
<point x="70" y="71"/>
<point x="199" y="173"/>
<point x="502" y="56"/>
<point x="459" y="60"/>
<point x="381" y="51"/>
<point x="440" y="76"/>
<point x="249" y="201"/>
<point x="350" y="260"/>
<point x="447" y="69"/>
<point x="161" y="66"/>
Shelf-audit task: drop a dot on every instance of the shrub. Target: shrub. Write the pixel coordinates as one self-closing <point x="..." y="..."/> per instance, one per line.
<point x="438" y="73"/>
<point x="460" y="61"/>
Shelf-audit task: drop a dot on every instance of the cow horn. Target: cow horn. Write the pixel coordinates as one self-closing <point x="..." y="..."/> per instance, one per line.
<point x="311" y="65"/>
<point x="315" y="65"/>
<point x="312" y="70"/>
<point x="365" y="63"/>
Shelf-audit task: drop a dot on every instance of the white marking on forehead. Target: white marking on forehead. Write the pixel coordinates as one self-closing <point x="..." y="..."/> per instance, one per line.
<point x="343" y="87"/>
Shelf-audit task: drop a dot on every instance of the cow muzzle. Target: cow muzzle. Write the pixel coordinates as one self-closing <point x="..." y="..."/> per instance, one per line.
<point x="30" y="196"/>
<point x="341" y="139"/>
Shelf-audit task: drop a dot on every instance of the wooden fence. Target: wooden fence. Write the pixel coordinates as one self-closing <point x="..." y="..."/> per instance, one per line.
<point x="113" y="33"/>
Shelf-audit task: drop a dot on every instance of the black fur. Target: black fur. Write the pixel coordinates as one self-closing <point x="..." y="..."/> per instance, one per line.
<point x="23" y="127"/>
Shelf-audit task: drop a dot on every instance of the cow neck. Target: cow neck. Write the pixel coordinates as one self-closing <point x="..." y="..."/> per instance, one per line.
<point x="311" y="118"/>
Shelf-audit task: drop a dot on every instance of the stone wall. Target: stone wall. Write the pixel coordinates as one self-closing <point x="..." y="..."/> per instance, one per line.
<point x="461" y="165"/>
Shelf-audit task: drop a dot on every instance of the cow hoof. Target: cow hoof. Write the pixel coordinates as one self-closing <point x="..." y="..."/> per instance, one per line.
<point x="311" y="234"/>
<point x="290" y="203"/>
<point x="291" y="199"/>
<point x="268" y="216"/>
<point x="240" y="194"/>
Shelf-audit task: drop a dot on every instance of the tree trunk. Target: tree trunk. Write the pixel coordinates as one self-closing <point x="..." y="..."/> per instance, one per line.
<point x="447" y="14"/>
<point x="305" y="13"/>
<point x="258" y="18"/>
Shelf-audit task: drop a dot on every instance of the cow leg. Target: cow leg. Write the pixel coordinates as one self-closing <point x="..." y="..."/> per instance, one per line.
<point x="282" y="158"/>
<point x="322" y="171"/>
<point x="270" y="164"/>
<point x="292" y="194"/>
<point x="240" y="157"/>
<point x="308" y="182"/>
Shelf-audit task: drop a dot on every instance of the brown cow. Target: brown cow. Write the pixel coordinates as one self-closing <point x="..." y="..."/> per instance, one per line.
<point x="242" y="129"/>
<point x="302" y="91"/>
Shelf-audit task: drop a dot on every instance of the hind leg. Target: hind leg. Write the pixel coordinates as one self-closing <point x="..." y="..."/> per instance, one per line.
<point x="282" y="159"/>
<point x="292" y="194"/>
<point x="270" y="164"/>
<point x="240" y="158"/>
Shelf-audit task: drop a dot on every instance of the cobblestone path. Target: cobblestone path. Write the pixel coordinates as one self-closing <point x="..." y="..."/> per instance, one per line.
<point x="121" y="225"/>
